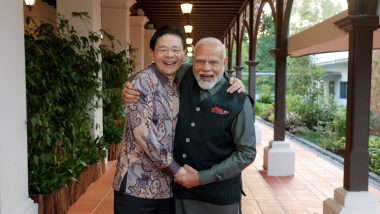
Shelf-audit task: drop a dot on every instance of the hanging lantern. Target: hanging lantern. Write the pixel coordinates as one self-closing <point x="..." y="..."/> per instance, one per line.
<point x="30" y="3"/>
<point x="189" y="41"/>
<point x="186" y="7"/>
<point x="188" y="28"/>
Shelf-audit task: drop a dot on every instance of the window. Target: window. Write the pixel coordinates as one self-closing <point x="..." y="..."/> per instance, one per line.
<point x="343" y="90"/>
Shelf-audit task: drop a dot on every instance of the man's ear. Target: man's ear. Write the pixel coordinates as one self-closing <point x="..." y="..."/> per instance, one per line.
<point x="225" y="62"/>
<point x="152" y="55"/>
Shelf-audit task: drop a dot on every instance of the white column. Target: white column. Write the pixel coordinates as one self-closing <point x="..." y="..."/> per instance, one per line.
<point x="347" y="202"/>
<point x="147" y="51"/>
<point x="258" y="133"/>
<point x="93" y="8"/>
<point x="116" y="20"/>
<point x="137" y="39"/>
<point x="279" y="159"/>
<point x="14" y="196"/>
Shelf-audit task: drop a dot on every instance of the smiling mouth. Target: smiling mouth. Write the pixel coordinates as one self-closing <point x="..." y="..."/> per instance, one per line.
<point x="206" y="77"/>
<point x="169" y="63"/>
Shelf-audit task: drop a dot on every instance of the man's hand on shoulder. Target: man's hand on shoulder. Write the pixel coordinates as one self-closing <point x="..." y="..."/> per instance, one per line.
<point x="236" y="85"/>
<point x="128" y="95"/>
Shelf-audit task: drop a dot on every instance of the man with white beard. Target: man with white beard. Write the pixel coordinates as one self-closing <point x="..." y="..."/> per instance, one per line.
<point x="215" y="136"/>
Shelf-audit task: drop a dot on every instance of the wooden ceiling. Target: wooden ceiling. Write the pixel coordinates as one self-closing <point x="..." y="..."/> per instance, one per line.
<point x="208" y="17"/>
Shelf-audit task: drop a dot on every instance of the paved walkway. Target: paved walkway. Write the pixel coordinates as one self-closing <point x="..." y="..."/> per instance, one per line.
<point x="314" y="181"/>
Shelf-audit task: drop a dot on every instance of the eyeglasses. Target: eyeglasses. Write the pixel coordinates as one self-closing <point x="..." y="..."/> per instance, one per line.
<point x="174" y="50"/>
<point x="211" y="62"/>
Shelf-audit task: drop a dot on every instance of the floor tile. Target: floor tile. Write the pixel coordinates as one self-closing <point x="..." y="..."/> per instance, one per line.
<point x="314" y="180"/>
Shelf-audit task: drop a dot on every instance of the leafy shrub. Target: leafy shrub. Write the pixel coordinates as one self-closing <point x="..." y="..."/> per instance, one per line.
<point x="62" y="80"/>
<point x="116" y="68"/>
<point x="259" y="108"/>
<point x="337" y="126"/>
<point x="293" y="122"/>
<point x="265" y="98"/>
<point x="334" y="144"/>
<point x="372" y="121"/>
<point x="311" y="112"/>
<point x="265" y="111"/>
<point x="374" y="154"/>
<point x="265" y="89"/>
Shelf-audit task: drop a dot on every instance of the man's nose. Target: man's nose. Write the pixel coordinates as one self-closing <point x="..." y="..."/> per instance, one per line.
<point x="206" y="66"/>
<point x="169" y="52"/>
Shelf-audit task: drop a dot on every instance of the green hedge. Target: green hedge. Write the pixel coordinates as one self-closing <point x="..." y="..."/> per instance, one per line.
<point x="374" y="154"/>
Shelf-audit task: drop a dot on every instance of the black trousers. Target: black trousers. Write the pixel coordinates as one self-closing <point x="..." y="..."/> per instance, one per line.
<point x="127" y="204"/>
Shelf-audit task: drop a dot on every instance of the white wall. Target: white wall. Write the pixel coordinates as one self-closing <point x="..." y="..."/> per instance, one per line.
<point x="117" y="10"/>
<point x="337" y="63"/>
<point x="137" y="40"/>
<point x="13" y="132"/>
<point x="93" y="7"/>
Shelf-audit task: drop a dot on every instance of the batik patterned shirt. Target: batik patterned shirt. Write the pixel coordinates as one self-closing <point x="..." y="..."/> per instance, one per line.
<point x="146" y="156"/>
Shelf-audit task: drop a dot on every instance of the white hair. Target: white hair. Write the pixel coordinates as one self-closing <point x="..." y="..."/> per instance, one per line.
<point x="211" y="40"/>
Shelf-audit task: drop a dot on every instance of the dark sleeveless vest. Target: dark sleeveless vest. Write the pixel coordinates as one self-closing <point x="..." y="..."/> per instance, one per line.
<point x="203" y="139"/>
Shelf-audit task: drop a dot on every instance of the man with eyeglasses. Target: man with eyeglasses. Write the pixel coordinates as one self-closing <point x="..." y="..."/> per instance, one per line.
<point x="215" y="136"/>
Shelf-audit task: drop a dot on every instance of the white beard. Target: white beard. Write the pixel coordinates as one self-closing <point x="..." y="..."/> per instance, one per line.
<point x="207" y="85"/>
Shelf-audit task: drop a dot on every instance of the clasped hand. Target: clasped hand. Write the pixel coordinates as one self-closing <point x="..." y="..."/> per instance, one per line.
<point x="187" y="177"/>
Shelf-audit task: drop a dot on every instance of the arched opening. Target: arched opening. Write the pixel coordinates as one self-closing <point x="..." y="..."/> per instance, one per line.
<point x="233" y="55"/>
<point x="245" y="56"/>
<point x="265" y="42"/>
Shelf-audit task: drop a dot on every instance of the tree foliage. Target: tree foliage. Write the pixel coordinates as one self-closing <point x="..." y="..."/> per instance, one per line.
<point x="305" y="92"/>
<point x="306" y="13"/>
<point x="265" y="43"/>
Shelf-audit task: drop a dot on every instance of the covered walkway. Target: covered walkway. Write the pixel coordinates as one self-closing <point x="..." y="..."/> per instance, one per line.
<point x="314" y="181"/>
